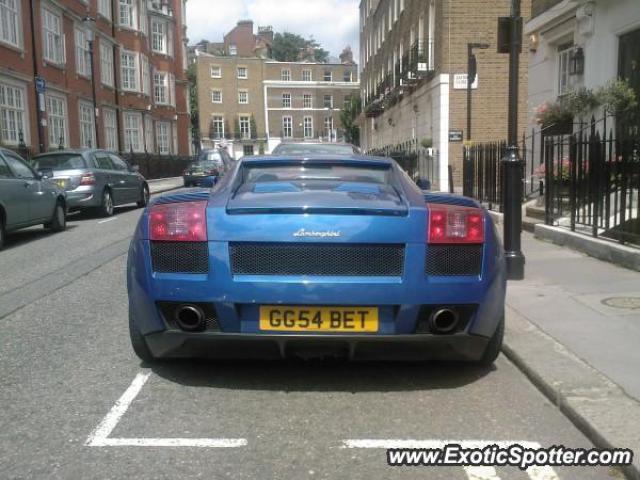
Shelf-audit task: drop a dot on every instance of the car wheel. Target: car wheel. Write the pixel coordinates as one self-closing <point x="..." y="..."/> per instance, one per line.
<point x="494" y="346"/>
<point x="144" y="197"/>
<point x="2" y="233"/>
<point x="138" y="343"/>
<point x="58" y="222"/>
<point x="106" y="209"/>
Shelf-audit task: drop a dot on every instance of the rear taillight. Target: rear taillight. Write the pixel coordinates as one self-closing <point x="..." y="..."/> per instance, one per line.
<point x="178" y="222"/>
<point x="454" y="224"/>
<point x="88" y="179"/>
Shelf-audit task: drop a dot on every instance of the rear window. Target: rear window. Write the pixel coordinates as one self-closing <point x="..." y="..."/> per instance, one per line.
<point x="313" y="149"/>
<point x="60" y="161"/>
<point x="206" y="165"/>
<point x="379" y="174"/>
<point x="210" y="157"/>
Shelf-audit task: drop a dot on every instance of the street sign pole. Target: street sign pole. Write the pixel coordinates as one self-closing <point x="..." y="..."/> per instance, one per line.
<point x="512" y="206"/>
<point x="472" y="72"/>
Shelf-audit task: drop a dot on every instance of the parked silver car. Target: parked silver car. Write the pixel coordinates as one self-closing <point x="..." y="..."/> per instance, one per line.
<point x="26" y="198"/>
<point x="95" y="179"/>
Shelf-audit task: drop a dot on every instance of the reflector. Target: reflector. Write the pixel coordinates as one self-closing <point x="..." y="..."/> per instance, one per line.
<point x="454" y="224"/>
<point x="178" y="222"/>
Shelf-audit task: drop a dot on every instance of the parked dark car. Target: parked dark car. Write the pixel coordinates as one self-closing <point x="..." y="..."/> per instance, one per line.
<point x="315" y="148"/>
<point x="211" y="164"/>
<point x="26" y="198"/>
<point x="94" y="179"/>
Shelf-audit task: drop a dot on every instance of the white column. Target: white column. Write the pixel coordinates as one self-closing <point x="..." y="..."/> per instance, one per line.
<point x="443" y="134"/>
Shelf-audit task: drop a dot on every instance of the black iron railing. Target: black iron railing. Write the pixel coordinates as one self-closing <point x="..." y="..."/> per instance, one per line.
<point x="589" y="179"/>
<point x="418" y="162"/>
<point x="153" y="165"/>
<point x="592" y="182"/>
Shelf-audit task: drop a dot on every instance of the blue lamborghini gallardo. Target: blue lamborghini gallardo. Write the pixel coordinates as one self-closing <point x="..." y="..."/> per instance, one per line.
<point x="316" y="256"/>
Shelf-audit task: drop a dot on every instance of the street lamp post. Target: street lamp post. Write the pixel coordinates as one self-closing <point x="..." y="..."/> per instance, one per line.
<point x="472" y="70"/>
<point x="511" y="162"/>
<point x="89" y="23"/>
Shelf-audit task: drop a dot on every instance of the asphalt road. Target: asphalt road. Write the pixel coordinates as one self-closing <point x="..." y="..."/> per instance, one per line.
<point x="65" y="361"/>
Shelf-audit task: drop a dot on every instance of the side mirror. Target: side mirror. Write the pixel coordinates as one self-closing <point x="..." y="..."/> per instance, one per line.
<point x="423" y="183"/>
<point x="44" y="174"/>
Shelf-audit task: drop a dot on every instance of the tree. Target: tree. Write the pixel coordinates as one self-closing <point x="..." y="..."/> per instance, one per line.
<point x="348" y="117"/>
<point x="289" y="47"/>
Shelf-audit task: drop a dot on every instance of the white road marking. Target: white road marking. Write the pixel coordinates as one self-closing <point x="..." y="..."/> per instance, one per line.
<point x="473" y="473"/>
<point x="108" y="220"/>
<point x="100" y="436"/>
<point x="109" y="422"/>
<point x="481" y="473"/>
<point x="172" y="442"/>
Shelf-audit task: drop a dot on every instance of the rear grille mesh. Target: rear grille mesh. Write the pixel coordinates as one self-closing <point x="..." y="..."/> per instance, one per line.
<point x="316" y="259"/>
<point x="451" y="260"/>
<point x="180" y="257"/>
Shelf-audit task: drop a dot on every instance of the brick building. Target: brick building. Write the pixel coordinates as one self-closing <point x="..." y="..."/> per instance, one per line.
<point x="139" y="61"/>
<point x="413" y="80"/>
<point x="254" y="103"/>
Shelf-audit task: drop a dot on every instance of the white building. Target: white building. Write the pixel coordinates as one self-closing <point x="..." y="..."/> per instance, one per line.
<point x="603" y="35"/>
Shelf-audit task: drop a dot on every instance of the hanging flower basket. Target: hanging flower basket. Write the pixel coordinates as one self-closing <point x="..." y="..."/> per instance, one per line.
<point x="564" y="127"/>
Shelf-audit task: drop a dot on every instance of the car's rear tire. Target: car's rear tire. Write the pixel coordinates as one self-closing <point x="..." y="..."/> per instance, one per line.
<point x="106" y="207"/>
<point x="138" y="343"/>
<point x="144" y="197"/>
<point x="494" y="346"/>
<point x="58" y="222"/>
<point x="2" y="232"/>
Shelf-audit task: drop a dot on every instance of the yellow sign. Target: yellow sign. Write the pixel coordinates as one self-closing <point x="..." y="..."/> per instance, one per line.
<point x="318" y="319"/>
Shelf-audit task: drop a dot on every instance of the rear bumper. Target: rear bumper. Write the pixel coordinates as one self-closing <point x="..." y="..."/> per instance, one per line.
<point x="82" y="199"/>
<point x="177" y="344"/>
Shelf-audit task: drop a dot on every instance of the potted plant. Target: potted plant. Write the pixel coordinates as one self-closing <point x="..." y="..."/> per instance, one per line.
<point x="426" y="143"/>
<point x="618" y="98"/>
<point x="554" y="118"/>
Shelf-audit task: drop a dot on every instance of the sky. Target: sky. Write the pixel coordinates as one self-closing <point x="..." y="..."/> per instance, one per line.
<point x="333" y="23"/>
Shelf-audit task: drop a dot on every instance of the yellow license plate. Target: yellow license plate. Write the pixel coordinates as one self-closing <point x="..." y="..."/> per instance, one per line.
<point x="318" y="319"/>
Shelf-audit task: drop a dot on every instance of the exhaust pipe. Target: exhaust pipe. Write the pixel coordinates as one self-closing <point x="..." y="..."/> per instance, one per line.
<point x="189" y="318"/>
<point x="444" y="320"/>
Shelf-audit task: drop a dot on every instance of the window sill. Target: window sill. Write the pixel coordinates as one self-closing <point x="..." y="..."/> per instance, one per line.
<point x="11" y="46"/>
<point x="162" y="54"/>
<point x="105" y="18"/>
<point x="51" y="63"/>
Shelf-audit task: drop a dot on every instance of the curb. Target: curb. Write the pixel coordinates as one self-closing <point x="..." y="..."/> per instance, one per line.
<point x="600" y="409"/>
<point x="177" y="184"/>
<point x="608" y="251"/>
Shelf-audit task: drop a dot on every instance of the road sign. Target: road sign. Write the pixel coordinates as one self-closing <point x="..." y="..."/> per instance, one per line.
<point x="41" y="85"/>
<point x="455" y="135"/>
<point x="460" y="81"/>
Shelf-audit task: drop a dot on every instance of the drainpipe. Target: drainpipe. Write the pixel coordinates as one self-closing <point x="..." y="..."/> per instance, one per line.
<point x="116" y="68"/>
<point x="39" y="107"/>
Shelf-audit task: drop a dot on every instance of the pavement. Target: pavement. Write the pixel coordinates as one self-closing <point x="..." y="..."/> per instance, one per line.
<point x="165" y="184"/>
<point x="573" y="326"/>
<point x="77" y="403"/>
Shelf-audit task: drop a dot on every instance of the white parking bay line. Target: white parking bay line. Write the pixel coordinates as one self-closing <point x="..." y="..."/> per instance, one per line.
<point x="100" y="436"/>
<point x="473" y="472"/>
<point x="108" y="220"/>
